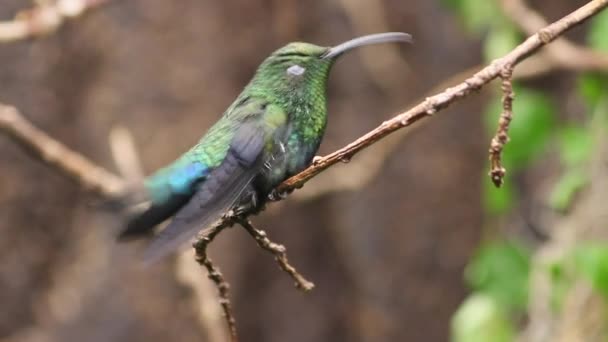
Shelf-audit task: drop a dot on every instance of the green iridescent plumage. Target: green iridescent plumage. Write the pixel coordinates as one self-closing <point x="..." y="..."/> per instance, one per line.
<point x="271" y="132"/>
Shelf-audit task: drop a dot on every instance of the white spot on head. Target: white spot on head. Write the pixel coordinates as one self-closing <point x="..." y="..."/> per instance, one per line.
<point x="295" y="70"/>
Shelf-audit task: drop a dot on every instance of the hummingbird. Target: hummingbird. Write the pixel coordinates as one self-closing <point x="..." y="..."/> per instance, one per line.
<point x="270" y="132"/>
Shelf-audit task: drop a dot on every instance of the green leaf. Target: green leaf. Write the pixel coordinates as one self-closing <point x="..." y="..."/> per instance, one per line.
<point x="591" y="262"/>
<point x="498" y="201"/>
<point x="560" y="285"/>
<point x="575" y="145"/>
<point x="480" y="319"/>
<point x="566" y="188"/>
<point x="453" y="4"/>
<point x="592" y="87"/>
<point x="501" y="270"/>
<point x="532" y="126"/>
<point x="587" y="261"/>
<point x="598" y="32"/>
<point x="500" y="40"/>
<point x="575" y="148"/>
<point x="477" y="15"/>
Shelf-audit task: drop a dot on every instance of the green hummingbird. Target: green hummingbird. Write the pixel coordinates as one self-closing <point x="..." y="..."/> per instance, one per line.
<point x="270" y="132"/>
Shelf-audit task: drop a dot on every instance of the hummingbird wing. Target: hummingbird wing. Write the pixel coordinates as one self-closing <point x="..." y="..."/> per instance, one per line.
<point x="171" y="188"/>
<point x="219" y="191"/>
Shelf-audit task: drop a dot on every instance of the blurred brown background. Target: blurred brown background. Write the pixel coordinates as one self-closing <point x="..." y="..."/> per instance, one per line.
<point x="387" y="258"/>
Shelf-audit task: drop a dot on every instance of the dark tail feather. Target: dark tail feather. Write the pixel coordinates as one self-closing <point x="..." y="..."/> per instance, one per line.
<point x="142" y="224"/>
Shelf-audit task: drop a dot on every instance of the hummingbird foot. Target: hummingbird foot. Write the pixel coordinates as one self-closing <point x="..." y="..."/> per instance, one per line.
<point x="316" y="160"/>
<point x="275" y="195"/>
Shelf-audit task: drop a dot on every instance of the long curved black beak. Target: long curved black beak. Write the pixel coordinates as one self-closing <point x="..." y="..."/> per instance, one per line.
<point x="387" y="37"/>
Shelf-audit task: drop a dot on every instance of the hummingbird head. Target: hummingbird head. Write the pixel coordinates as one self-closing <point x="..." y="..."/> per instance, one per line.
<point x="297" y="69"/>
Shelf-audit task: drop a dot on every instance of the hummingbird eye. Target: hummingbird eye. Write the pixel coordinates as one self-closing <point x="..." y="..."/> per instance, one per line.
<point x="295" y="70"/>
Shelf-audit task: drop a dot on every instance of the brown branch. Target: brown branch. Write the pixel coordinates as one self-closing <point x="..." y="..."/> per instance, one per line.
<point x="562" y="52"/>
<point x="440" y="101"/>
<point x="213" y="272"/>
<point x="210" y="315"/>
<point x="44" y="19"/>
<point x="279" y="252"/>
<point x="58" y="156"/>
<point x="497" y="171"/>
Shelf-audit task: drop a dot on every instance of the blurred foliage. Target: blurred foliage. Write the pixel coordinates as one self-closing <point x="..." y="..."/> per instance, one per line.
<point x="568" y="185"/>
<point x="476" y="15"/>
<point x="592" y="88"/>
<point x="501" y="39"/>
<point x="575" y="147"/>
<point x="587" y="262"/>
<point x="499" y="272"/>
<point x="485" y="17"/>
<point x="575" y="144"/>
<point x="591" y="262"/>
<point x="498" y="201"/>
<point x="599" y="30"/>
<point x="481" y="318"/>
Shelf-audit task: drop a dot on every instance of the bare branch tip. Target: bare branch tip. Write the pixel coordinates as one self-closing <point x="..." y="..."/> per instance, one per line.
<point x="497" y="175"/>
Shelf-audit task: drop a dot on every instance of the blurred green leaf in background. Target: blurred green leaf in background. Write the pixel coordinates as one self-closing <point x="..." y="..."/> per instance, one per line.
<point x="481" y="318"/>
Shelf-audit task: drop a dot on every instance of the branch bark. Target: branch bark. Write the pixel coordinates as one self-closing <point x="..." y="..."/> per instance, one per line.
<point x="44" y="19"/>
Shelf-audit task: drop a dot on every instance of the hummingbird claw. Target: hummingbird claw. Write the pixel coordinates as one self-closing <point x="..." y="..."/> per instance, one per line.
<point x="275" y="195"/>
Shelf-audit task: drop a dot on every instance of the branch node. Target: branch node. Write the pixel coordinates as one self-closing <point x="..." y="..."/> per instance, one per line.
<point x="545" y="36"/>
<point x="316" y="160"/>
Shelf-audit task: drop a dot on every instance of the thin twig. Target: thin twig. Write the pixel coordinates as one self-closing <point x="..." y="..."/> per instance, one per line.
<point x="280" y="254"/>
<point x="44" y="19"/>
<point x="213" y="272"/>
<point x="497" y="171"/>
<point x="210" y="315"/>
